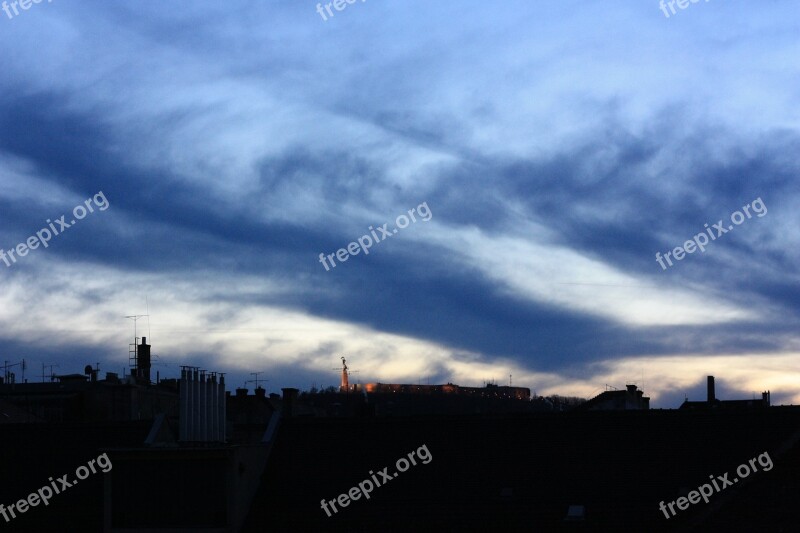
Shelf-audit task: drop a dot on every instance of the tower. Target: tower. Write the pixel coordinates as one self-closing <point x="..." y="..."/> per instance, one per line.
<point x="345" y="381"/>
<point x="143" y="361"/>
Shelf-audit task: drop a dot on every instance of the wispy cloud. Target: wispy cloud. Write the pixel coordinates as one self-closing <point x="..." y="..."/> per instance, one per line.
<point x="558" y="145"/>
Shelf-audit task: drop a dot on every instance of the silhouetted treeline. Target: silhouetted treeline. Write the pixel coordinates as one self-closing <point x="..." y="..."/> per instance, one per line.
<point x="564" y="402"/>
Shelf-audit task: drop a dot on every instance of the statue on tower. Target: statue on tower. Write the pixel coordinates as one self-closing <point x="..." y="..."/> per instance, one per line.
<point x="345" y="381"/>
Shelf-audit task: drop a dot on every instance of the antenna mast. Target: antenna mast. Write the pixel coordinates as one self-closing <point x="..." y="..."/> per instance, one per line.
<point x="256" y="380"/>
<point x="52" y="376"/>
<point x="133" y="359"/>
<point x="147" y="308"/>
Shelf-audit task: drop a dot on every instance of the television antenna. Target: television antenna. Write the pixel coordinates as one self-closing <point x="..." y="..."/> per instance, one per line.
<point x="52" y="376"/>
<point x="135" y="319"/>
<point x="256" y="380"/>
<point x="9" y="376"/>
<point x="133" y="354"/>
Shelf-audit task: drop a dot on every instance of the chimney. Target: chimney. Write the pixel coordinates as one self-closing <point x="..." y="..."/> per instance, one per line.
<point x="261" y="392"/>
<point x="184" y="405"/>
<point x="91" y="372"/>
<point x="711" y="396"/>
<point x="241" y="393"/>
<point x="223" y="412"/>
<point x="289" y="397"/>
<point x="143" y="361"/>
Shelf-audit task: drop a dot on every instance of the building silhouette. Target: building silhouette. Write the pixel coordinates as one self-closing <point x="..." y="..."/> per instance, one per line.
<point x="712" y="403"/>
<point x="189" y="455"/>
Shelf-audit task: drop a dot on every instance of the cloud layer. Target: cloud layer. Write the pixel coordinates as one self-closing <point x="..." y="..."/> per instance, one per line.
<point x="559" y="148"/>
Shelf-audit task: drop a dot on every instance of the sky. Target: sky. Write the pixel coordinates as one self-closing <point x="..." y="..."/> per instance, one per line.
<point x="547" y="152"/>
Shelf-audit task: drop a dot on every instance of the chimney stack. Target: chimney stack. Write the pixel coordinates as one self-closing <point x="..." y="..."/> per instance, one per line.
<point x="289" y="397"/>
<point x="143" y="361"/>
<point x="711" y="395"/>
<point x="202" y="406"/>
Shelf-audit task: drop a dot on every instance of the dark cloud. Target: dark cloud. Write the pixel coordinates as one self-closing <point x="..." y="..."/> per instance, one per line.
<point x="417" y="289"/>
<point x="614" y="192"/>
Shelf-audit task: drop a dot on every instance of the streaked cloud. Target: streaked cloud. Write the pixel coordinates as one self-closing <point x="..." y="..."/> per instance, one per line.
<point x="558" y="146"/>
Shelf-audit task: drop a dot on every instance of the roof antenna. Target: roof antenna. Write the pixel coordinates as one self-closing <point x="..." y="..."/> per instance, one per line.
<point x="257" y="380"/>
<point x="147" y="307"/>
<point x="133" y="353"/>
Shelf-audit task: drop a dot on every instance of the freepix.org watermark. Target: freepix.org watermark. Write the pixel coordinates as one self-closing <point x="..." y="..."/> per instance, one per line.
<point x="45" y="494"/>
<point x="44" y="235"/>
<point x="368" y="485"/>
<point x="365" y="242"/>
<point x="682" y="4"/>
<point x="23" y="4"/>
<point x="706" y="490"/>
<point x="338" y="5"/>
<point x="700" y="240"/>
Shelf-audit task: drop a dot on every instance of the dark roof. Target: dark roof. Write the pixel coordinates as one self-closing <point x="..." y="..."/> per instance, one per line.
<point x="549" y="460"/>
<point x="72" y="377"/>
<point x="724" y="404"/>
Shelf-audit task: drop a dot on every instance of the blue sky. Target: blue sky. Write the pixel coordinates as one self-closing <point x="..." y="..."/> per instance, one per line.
<point x="558" y="145"/>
